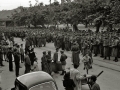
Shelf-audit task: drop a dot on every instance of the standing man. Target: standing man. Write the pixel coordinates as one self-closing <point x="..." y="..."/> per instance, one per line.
<point x="32" y="56"/>
<point x="115" y="49"/>
<point x="9" y="56"/>
<point x="106" y="48"/>
<point x="17" y="62"/>
<point x="55" y="59"/>
<point x="43" y="61"/>
<point x="55" y="56"/>
<point x="22" y="53"/>
<point x="76" y="77"/>
<point x="49" y="60"/>
<point x="63" y="61"/>
<point x="1" y="56"/>
<point x="27" y="62"/>
<point x="75" y="54"/>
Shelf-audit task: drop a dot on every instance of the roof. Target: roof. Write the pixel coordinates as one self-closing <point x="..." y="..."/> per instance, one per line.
<point x="6" y="14"/>
<point x="34" y="78"/>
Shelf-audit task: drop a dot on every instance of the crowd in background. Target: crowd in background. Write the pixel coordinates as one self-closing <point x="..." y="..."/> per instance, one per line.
<point x="105" y="43"/>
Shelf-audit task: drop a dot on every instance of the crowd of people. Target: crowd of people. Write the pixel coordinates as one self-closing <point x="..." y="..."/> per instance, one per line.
<point x="87" y="42"/>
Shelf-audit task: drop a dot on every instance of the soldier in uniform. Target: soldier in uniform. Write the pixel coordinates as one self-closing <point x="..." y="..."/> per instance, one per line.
<point x="63" y="61"/>
<point x="85" y="47"/>
<point x="95" y="46"/>
<point x="39" y="41"/>
<point x="115" y="49"/>
<point x="106" y="48"/>
<point x="101" y="47"/>
<point x="49" y="60"/>
<point x="75" y="53"/>
<point x="9" y="55"/>
<point x="1" y="56"/>
<point x="44" y="63"/>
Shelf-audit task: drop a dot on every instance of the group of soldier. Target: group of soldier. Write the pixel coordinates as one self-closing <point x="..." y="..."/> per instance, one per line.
<point x="105" y="43"/>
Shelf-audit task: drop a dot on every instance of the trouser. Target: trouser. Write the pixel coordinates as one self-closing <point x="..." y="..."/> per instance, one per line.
<point x="27" y="68"/>
<point x="63" y="46"/>
<point x="102" y="50"/>
<point x="1" y="62"/>
<point x="5" y="56"/>
<point x="10" y="65"/>
<point x="17" y="69"/>
<point x="32" y="62"/>
<point x="96" y="50"/>
<point x="63" y="67"/>
<point x="22" y="57"/>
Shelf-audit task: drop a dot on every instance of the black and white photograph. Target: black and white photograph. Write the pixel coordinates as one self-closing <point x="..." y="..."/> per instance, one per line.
<point x="59" y="44"/>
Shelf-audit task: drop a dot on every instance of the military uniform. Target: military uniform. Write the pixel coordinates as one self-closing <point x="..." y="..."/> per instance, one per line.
<point x="106" y="48"/>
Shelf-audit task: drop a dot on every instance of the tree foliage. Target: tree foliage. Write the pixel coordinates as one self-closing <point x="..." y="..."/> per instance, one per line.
<point x="98" y="11"/>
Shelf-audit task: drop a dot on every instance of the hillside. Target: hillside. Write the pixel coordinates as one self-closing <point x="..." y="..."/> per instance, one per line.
<point x="6" y="14"/>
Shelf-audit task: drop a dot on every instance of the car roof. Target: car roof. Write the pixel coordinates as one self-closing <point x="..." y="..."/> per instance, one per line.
<point x="34" y="78"/>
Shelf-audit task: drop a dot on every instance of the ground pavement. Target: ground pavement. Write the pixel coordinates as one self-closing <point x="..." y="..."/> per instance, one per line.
<point x="109" y="80"/>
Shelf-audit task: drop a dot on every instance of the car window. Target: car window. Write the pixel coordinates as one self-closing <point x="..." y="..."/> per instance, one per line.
<point x="44" y="86"/>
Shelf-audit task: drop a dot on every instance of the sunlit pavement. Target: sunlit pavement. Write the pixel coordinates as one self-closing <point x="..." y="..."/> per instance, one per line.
<point x="109" y="80"/>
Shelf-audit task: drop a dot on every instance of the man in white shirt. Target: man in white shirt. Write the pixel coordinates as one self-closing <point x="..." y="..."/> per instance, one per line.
<point x="76" y="77"/>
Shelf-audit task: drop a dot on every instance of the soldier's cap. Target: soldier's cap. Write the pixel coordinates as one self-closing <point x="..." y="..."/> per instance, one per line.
<point x="62" y="51"/>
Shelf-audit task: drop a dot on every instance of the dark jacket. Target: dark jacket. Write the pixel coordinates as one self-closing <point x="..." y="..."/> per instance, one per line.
<point x="68" y="84"/>
<point x="32" y="56"/>
<point x="16" y="58"/>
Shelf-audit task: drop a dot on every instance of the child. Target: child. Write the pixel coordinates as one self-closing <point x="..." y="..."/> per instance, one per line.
<point x="35" y="66"/>
<point x="86" y="60"/>
<point x="68" y="83"/>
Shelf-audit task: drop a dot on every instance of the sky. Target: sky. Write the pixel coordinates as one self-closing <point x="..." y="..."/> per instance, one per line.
<point x="12" y="4"/>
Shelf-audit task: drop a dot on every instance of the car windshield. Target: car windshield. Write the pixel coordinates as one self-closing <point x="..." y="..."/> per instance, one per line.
<point x="44" y="86"/>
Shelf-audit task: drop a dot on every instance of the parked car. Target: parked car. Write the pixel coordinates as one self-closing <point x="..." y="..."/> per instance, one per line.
<point x="35" y="81"/>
